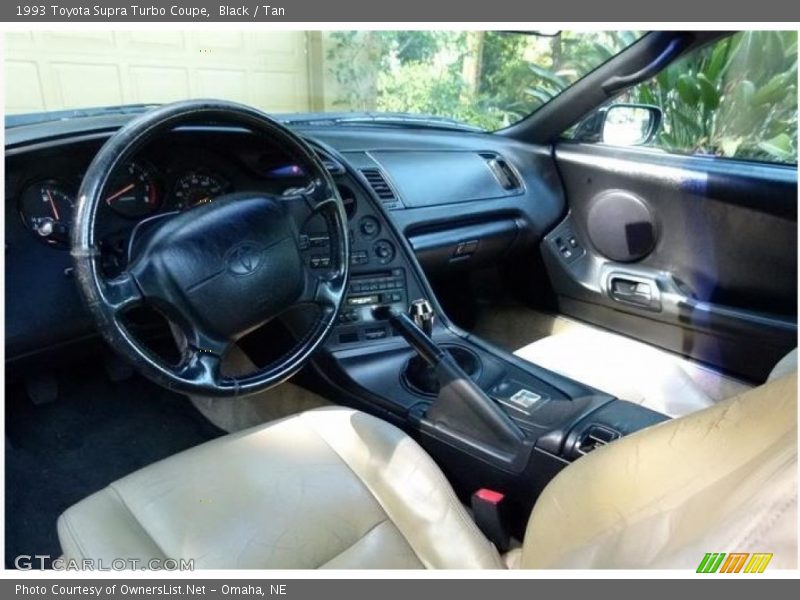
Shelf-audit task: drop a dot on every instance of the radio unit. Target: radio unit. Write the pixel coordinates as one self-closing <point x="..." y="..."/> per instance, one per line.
<point x="366" y="292"/>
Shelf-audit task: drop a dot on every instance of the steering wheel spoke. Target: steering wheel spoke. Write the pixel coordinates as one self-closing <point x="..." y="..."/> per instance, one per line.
<point x="324" y="286"/>
<point x="321" y="290"/>
<point x="311" y="195"/>
<point x="316" y="199"/>
<point x="122" y="293"/>
<point x="201" y="368"/>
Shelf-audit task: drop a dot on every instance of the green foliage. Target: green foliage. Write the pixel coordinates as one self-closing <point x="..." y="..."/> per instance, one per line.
<point x="415" y="46"/>
<point x="354" y="58"/>
<point x="735" y="98"/>
<point x="489" y="79"/>
<point x="572" y="55"/>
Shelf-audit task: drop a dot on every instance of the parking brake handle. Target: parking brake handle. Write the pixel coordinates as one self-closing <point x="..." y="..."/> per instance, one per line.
<point x="461" y="406"/>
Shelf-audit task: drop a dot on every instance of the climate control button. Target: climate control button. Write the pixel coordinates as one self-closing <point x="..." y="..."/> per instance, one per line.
<point x="384" y="251"/>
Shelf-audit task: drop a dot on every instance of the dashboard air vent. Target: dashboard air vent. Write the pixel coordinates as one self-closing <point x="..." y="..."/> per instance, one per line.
<point x="502" y="171"/>
<point x="380" y="186"/>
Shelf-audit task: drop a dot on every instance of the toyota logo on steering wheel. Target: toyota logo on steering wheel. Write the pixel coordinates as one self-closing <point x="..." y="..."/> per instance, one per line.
<point x="244" y="259"/>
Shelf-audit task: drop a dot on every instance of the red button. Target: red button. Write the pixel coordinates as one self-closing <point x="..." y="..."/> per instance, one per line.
<point x="489" y="496"/>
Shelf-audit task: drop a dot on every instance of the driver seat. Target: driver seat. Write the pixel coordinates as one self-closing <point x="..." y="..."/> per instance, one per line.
<point x="337" y="488"/>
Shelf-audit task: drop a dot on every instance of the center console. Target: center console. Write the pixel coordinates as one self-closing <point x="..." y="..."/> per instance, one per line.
<point x="560" y="420"/>
<point x="493" y="420"/>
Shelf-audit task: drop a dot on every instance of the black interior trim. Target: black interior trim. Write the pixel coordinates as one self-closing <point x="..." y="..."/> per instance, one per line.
<point x="720" y="284"/>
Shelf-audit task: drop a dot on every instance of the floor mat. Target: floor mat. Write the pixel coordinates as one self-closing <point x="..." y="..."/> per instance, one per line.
<point x="95" y="433"/>
<point x="512" y="326"/>
<point x="273" y="404"/>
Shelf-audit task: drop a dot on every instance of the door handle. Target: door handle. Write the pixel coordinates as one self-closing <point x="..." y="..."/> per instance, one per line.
<point x="636" y="291"/>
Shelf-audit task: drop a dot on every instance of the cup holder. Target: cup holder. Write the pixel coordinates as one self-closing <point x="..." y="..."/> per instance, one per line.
<point x="421" y="378"/>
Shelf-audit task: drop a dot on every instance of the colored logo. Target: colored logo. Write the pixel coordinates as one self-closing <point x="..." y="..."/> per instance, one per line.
<point x="734" y="562"/>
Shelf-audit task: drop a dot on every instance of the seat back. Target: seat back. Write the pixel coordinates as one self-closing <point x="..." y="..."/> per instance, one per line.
<point x="723" y="479"/>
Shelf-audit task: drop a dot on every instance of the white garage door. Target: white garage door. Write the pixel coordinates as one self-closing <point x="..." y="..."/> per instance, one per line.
<point x="51" y="70"/>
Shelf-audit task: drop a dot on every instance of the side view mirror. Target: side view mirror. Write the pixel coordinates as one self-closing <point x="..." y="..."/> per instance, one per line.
<point x="620" y="125"/>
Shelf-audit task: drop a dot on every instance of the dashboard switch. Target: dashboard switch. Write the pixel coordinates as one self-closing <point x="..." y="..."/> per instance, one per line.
<point x="384" y="250"/>
<point x="319" y="240"/>
<point x="375" y="334"/>
<point x="568" y="246"/>
<point x="320" y="262"/>
<point x="369" y="227"/>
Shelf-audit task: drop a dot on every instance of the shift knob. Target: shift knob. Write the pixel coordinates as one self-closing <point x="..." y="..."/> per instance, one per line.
<point x="421" y="312"/>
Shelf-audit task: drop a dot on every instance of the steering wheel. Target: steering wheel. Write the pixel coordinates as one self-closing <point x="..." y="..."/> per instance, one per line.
<point x="219" y="270"/>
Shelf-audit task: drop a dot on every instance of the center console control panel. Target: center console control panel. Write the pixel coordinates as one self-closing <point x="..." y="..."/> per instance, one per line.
<point x="366" y="292"/>
<point x="380" y="275"/>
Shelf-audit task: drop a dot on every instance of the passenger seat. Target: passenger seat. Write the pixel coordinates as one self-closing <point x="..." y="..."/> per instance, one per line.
<point x="637" y="372"/>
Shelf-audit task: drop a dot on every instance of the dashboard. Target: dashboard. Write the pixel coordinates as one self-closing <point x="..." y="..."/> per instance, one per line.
<point x="177" y="174"/>
<point x="445" y="200"/>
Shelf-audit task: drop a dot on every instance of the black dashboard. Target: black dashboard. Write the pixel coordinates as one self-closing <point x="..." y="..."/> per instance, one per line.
<point x="457" y="200"/>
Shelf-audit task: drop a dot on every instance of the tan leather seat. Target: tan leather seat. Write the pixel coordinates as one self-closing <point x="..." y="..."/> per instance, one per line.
<point x="329" y="488"/>
<point x="335" y="488"/>
<point x="634" y="371"/>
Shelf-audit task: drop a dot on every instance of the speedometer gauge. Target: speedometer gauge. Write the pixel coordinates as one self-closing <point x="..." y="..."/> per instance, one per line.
<point x="133" y="192"/>
<point x="197" y="187"/>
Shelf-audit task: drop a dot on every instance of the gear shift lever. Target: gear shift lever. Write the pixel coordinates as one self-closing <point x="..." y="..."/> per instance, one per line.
<point x="461" y="405"/>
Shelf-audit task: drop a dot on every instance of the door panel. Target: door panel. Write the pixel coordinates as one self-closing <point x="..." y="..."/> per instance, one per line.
<point x="694" y="254"/>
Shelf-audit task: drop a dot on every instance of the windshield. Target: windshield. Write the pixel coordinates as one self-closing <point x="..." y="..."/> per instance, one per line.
<point x="485" y="79"/>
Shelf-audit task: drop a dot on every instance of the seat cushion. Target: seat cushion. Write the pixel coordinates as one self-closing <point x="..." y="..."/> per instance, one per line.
<point x="329" y="488"/>
<point x="625" y="368"/>
<point x="720" y="480"/>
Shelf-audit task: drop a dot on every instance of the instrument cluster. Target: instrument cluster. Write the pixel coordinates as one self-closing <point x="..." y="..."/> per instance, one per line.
<point x="138" y="191"/>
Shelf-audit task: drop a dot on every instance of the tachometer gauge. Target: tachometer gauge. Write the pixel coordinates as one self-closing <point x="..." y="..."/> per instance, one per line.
<point x="197" y="187"/>
<point x="46" y="210"/>
<point x="133" y="192"/>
